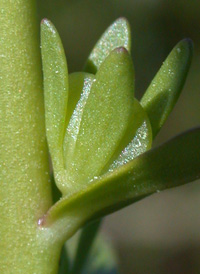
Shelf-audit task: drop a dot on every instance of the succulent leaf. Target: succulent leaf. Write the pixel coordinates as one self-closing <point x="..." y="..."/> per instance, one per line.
<point x="174" y="163"/>
<point x="79" y="86"/>
<point x="117" y="35"/>
<point x="96" y="128"/>
<point x="163" y="92"/>
<point x="55" y="74"/>
<point x="137" y="139"/>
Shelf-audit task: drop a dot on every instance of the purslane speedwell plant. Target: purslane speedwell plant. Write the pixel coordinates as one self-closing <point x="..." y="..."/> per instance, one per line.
<point x="99" y="138"/>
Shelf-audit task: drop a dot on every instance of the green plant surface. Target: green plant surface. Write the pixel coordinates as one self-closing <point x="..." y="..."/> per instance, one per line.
<point x="117" y="35"/>
<point x="79" y="84"/>
<point x="93" y="132"/>
<point x="88" y="149"/>
<point x="164" y="90"/>
<point x="55" y="89"/>
<point x="172" y="164"/>
<point x="158" y="100"/>
<point x="108" y="131"/>
<point x="98" y="135"/>
<point x="25" y="193"/>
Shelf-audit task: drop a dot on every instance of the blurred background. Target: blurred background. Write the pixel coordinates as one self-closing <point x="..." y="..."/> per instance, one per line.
<point x="160" y="234"/>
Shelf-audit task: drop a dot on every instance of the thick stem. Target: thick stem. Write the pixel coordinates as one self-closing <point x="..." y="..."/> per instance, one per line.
<point x="25" y="193"/>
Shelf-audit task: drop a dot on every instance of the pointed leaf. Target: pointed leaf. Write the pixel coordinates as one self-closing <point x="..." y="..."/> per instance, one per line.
<point x="55" y="86"/>
<point x="117" y="35"/>
<point x="174" y="163"/>
<point x="96" y="128"/>
<point x="163" y="92"/>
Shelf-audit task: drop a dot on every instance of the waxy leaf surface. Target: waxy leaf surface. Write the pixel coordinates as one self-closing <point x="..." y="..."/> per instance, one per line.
<point x="163" y="92"/>
<point x="97" y="127"/>
<point x="55" y="87"/>
<point x="79" y="87"/>
<point x="137" y="139"/>
<point x="117" y="35"/>
<point x="172" y="164"/>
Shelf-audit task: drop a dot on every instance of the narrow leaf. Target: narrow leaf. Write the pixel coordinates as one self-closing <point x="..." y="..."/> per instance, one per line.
<point x="97" y="127"/>
<point x="174" y="163"/>
<point x="117" y="35"/>
<point x="163" y="92"/>
<point x="55" y="86"/>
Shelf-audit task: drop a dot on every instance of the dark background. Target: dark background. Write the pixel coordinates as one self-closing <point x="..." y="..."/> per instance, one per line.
<point x="160" y="234"/>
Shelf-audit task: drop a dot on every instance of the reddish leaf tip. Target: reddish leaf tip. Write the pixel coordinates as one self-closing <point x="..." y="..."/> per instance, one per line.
<point x="121" y="50"/>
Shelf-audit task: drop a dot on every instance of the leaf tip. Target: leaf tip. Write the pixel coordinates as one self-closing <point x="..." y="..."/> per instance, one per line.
<point x="190" y="45"/>
<point x="47" y="25"/>
<point x="121" y="50"/>
<point x="187" y="46"/>
<point x="122" y="20"/>
<point x="189" y="42"/>
<point x="46" y="22"/>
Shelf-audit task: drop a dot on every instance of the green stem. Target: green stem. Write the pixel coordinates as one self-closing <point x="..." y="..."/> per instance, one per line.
<point x="25" y="193"/>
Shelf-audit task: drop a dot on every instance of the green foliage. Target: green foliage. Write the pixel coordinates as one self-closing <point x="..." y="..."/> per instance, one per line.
<point x="104" y="127"/>
<point x="107" y="132"/>
<point x="117" y="35"/>
<point x="173" y="163"/>
<point x="55" y="88"/>
<point x="100" y="120"/>
<point x="100" y="137"/>
<point x="163" y="92"/>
